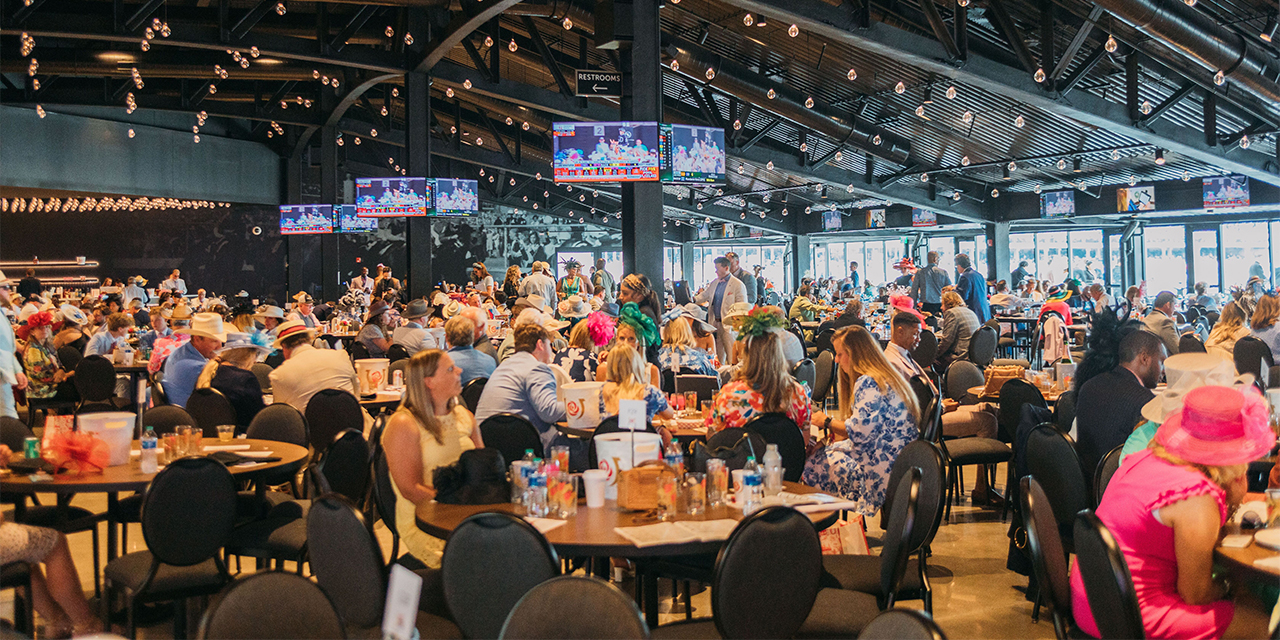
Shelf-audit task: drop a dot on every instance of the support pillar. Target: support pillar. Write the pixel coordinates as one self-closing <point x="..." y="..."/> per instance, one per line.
<point x="642" y="101"/>
<point x="330" y="183"/>
<point x="998" y="251"/>
<point x="295" y="250"/>
<point x="803" y="252"/>
<point x="417" y="87"/>
<point x="687" y="265"/>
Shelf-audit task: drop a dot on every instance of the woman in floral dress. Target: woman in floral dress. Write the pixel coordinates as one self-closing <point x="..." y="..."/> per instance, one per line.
<point x="44" y="371"/>
<point x="762" y="384"/>
<point x="881" y="415"/>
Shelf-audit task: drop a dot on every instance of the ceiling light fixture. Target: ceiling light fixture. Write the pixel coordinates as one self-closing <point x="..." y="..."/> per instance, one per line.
<point x="1269" y="31"/>
<point x="1160" y="156"/>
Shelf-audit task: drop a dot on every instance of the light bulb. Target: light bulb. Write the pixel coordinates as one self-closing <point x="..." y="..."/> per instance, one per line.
<point x="900" y="88"/>
<point x="711" y="73"/>
<point x="408" y="39"/>
<point x="876" y="140"/>
<point x="737" y="125"/>
<point x="1013" y="166"/>
<point x="955" y="195"/>
<point x="567" y="24"/>
<point x="525" y="126"/>
<point x="853" y="74"/>
<point x="488" y="41"/>
<point x="920" y="111"/>
<point x="1115" y="154"/>
<point x="131" y="133"/>
<point x="1145" y="108"/>
<point x="1133" y="180"/>
<point x="1244" y="141"/>
<point x="146" y="45"/>
<point x="741" y="169"/>
<point x="1036" y="188"/>
<point x="1111" y="44"/>
<point x="769" y="165"/>
<point x="675" y="65"/>
<point x="40" y="111"/>
<point x="1039" y="75"/>
<point x="280" y="8"/>
<point x="1019" y="122"/>
<point x="995" y="193"/>
<point x="1219" y="78"/>
<point x="748" y="20"/>
<point x="808" y="103"/>
<point x="1062" y="163"/>
<point x="967" y="117"/>
<point x="793" y="30"/>
<point x="197" y="139"/>
<point x="804" y="146"/>
<point x="1186" y="175"/>
<point x="253" y="51"/>
<point x="839" y="156"/>
<point x="512" y="46"/>
<point x="924" y="177"/>
<point x="962" y="3"/>
<point x="448" y="92"/>
<point x="964" y="161"/>
<point x="771" y="94"/>
<point x="466" y="84"/>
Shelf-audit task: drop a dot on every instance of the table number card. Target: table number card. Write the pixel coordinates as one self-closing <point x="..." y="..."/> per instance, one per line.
<point x="631" y="414"/>
<point x="400" y="616"/>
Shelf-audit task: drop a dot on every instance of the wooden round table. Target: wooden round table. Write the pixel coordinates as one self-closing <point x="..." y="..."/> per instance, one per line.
<point x="1239" y="561"/>
<point x="385" y="399"/>
<point x="1049" y="396"/>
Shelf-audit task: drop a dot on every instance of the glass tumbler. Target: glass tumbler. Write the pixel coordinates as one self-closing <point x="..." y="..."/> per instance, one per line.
<point x="717" y="482"/>
<point x="694" y="490"/>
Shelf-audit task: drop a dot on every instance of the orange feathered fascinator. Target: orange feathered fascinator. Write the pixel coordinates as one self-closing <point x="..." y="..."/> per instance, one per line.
<point x="77" y="452"/>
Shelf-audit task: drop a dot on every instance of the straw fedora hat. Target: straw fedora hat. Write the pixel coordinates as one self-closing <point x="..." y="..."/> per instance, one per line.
<point x="291" y="328"/>
<point x="574" y="307"/>
<point x="206" y="325"/>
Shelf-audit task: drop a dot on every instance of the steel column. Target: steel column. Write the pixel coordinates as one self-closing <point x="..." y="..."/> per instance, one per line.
<point x="417" y="87"/>
<point x="642" y="101"/>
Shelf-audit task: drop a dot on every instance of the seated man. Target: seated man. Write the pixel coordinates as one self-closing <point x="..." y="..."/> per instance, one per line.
<point x="183" y="367"/>
<point x="959" y="322"/>
<point x="1109" y="405"/>
<point x="413" y="336"/>
<point x="306" y="369"/>
<point x="524" y="385"/>
<point x="459" y="333"/>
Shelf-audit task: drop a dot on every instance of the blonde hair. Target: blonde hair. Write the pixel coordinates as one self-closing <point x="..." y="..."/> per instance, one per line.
<point x="951" y="300"/>
<point x="1226" y="477"/>
<point x="628" y="371"/>
<point x="242" y="358"/>
<point x="678" y="334"/>
<point x="764" y="369"/>
<point x="1229" y="322"/>
<point x="417" y="398"/>
<point x="580" y="337"/>
<point x="1266" y="313"/>
<point x="244" y="322"/>
<point x="513" y="275"/>
<point x="867" y="359"/>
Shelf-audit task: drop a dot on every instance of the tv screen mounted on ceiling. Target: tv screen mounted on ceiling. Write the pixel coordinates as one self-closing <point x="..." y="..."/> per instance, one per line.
<point x="605" y="151"/>
<point x="297" y="219"/>
<point x="393" y="196"/>
<point x="692" y="155"/>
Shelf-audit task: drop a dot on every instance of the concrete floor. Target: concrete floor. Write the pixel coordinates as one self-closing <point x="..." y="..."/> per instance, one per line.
<point x="974" y="595"/>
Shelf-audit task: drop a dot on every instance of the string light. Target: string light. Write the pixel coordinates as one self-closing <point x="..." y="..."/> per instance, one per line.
<point x="1115" y="154"/>
<point x="1039" y="75"/>
<point x="488" y="41"/>
<point x="33" y="67"/>
<point x="448" y="92"/>
<point x="900" y="88"/>
<point x="771" y="94"/>
<point x="1186" y="175"/>
<point x="1013" y="166"/>
<point x="1219" y="78"/>
<point x="146" y="45"/>
<point x="1244" y="141"/>
<point x="253" y="51"/>
<point x="804" y="146"/>
<point x="280" y="8"/>
<point x="512" y="46"/>
<point x="408" y="39"/>
<point x="924" y="177"/>
<point x="876" y="140"/>
<point x="964" y="161"/>
<point x="40" y="112"/>
<point x="852" y="75"/>
<point x="131" y="133"/>
<point x="525" y="126"/>
<point x="769" y="165"/>
<point x="1111" y="45"/>
<point x="967" y="117"/>
<point x="711" y="73"/>
<point x="1036" y="188"/>
<point x="149" y="33"/>
<point x="165" y="31"/>
<point x="1145" y="108"/>
<point x="1019" y="122"/>
<point x="995" y="193"/>
<point x="28" y="44"/>
<point x="35" y="84"/>
<point x="675" y="65"/>
<point x="737" y="125"/>
<point x="748" y="20"/>
<point x="839" y="156"/>
<point x="808" y="103"/>
<point x="920" y="111"/>
<point x="567" y="24"/>
<point x="793" y="30"/>
<point x="1062" y="163"/>
<point x="1133" y="180"/>
<point x="466" y="83"/>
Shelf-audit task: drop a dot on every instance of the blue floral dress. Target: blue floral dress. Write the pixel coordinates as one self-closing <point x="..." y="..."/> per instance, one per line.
<point x="655" y="402"/>
<point x="580" y="364"/>
<point x="858" y="468"/>
<point x="691" y="358"/>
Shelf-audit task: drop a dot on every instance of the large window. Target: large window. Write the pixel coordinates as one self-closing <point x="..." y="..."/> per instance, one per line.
<point x="1166" y="259"/>
<point x="875" y="259"/>
<point x="1117" y="260"/>
<point x="1246" y="252"/>
<point x="672" y="265"/>
<point x="1205" y="244"/>
<point x="1055" y="255"/>
<point x="946" y="248"/>
<point x="1022" y="248"/>
<point x="1052" y="256"/>
<point x="773" y="259"/>
<point x="836" y="265"/>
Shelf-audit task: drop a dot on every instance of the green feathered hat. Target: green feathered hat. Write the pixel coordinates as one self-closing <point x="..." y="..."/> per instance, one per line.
<point x="643" y="325"/>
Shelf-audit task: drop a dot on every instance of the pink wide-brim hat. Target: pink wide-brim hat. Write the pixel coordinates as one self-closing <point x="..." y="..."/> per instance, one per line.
<point x="1219" y="427"/>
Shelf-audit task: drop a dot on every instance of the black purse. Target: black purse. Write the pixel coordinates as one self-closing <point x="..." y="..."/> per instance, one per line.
<point x="734" y="455"/>
<point x="478" y="477"/>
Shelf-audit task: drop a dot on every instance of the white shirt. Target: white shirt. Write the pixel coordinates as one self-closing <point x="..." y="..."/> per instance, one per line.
<point x="539" y="284"/>
<point x="310" y="319"/>
<point x="414" y="338"/>
<point x="310" y="371"/>
<point x="175" y="284"/>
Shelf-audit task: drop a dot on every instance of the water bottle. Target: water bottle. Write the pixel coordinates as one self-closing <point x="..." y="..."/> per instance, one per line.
<point x="674" y="459"/>
<point x="751" y="497"/>
<point x="149" y="441"/>
<point x="772" y="471"/>
<point x="535" y="499"/>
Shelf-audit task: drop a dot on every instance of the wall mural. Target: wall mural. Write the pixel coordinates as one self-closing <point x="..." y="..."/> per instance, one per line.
<point x="502" y="236"/>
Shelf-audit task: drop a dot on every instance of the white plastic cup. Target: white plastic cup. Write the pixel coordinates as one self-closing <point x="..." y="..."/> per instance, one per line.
<point x="737" y="479"/>
<point x="595" y="481"/>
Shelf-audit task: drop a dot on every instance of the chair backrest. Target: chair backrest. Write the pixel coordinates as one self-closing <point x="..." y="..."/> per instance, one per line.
<point x="962" y="375"/>
<point x="766" y="576"/>
<point x="824" y="367"/>
<point x="1190" y="343"/>
<point x="262" y="371"/>
<point x="13" y="433"/>
<point x="931" y="420"/>
<point x="1249" y="353"/>
<point x="384" y="494"/>
<point x="1051" y="458"/>
<point x="822" y="341"/>
<point x="155" y="383"/>
<point x="982" y="346"/>
<point x="346" y="560"/>
<point x="358" y="350"/>
<point x="344" y="465"/>
<point x="729" y="438"/>
<point x="1013" y="394"/>
<point x="926" y="353"/>
<point x="188" y="511"/>
<point x="1048" y="556"/>
<point x="1107" y="581"/>
<point x="330" y="412"/>
<point x="279" y="422"/>
<point x="902" y="624"/>
<point x="472" y="391"/>
<point x="902" y="530"/>
<point x="490" y="562"/>
<point x="668" y="382"/>
<point x="167" y="418"/>
<point x="210" y="409"/>
<point x="1107" y="467"/>
<point x="927" y="457"/>
<point x="511" y="435"/>
<point x="706" y="386"/>
<point x="777" y="428"/>
<point x="805" y="372"/>
<point x="1064" y="411"/>
<point x="269" y="605"/>
<point x="923" y="389"/>
<point x="95" y="379"/>
<point x="397" y="352"/>
<point x="69" y="357"/>
<point x="540" y="614"/>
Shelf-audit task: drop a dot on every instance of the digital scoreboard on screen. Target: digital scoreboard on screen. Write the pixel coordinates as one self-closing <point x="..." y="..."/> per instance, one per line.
<point x="831" y="220"/>
<point x="1058" y="204"/>
<point x="691" y="155"/>
<point x="605" y="151"/>
<point x="349" y="222"/>
<point x="306" y="218"/>
<point x="456" y="197"/>
<point x="376" y="197"/>
<point x="1226" y="191"/>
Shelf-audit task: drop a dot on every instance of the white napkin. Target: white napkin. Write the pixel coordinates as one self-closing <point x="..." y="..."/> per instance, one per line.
<point x="227" y="447"/>
<point x="1272" y="563"/>
<point x="543" y="525"/>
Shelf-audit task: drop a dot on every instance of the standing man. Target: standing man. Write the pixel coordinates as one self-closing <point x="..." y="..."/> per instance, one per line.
<point x="748" y="280"/>
<point x="972" y="288"/>
<point x="758" y="272"/>
<point x="1160" y="321"/>
<point x="721" y="294"/>
<point x="854" y="278"/>
<point x="363" y="282"/>
<point x="927" y="285"/>
<point x="386" y="284"/>
<point x="11" y="375"/>
<point x="1019" y="275"/>
<point x="175" y="283"/>
<point x="135" y="291"/>
<point x="30" y="285"/>
<point x="539" y="283"/>
<point x="603" y="281"/>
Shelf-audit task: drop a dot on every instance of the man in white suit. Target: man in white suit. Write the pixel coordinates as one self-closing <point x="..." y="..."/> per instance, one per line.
<point x="720" y="294"/>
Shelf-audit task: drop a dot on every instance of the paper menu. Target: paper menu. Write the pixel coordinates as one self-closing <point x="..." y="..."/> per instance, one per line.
<point x="678" y="532"/>
<point x="631" y="415"/>
<point x="400" y="615"/>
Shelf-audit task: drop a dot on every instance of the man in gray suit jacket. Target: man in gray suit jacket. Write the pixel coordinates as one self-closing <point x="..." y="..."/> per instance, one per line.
<point x="748" y="279"/>
<point x="1160" y="321"/>
<point x="959" y="322"/>
<point x="719" y="295"/>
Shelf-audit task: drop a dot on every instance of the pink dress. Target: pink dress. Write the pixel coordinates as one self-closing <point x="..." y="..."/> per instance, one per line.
<point x="1144" y="484"/>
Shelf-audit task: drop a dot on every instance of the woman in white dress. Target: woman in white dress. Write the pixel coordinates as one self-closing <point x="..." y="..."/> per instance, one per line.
<point x="430" y="429"/>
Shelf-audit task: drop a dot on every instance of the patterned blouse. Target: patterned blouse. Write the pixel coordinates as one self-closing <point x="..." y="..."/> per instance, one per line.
<point x="41" y="364"/>
<point x="697" y="360"/>
<point x="655" y="402"/>
<point x="737" y="402"/>
<point x="580" y="364"/>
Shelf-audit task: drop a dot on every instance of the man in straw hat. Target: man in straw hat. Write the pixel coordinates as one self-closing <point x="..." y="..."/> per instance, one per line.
<point x="185" y="363"/>
<point x="412" y="335"/>
<point x="11" y="375"/>
<point x="306" y="369"/>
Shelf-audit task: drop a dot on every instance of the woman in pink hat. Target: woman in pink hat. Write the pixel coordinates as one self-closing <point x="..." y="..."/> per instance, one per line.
<point x="1166" y="505"/>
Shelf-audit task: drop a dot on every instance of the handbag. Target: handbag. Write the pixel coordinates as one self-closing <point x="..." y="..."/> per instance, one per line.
<point x="638" y="486"/>
<point x="734" y="456"/>
<point x="845" y="537"/>
<point x="478" y="477"/>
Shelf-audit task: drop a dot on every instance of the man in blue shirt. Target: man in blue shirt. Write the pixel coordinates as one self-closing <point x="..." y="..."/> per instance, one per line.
<point x="105" y="342"/>
<point x="972" y="287"/>
<point x="182" y="367"/>
<point x="459" y="333"/>
<point x="524" y="385"/>
<point x="927" y="285"/>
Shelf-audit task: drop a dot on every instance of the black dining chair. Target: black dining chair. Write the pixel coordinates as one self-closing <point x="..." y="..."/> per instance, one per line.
<point x="1107" y="467"/>
<point x="511" y="435"/>
<point x="1013" y="395"/>
<point x="69" y="357"/>
<point x="343" y="467"/>
<point x="210" y="409"/>
<point x="95" y="381"/>
<point x="491" y="560"/>
<point x="155" y="384"/>
<point x="472" y="391"/>
<point x="1190" y="343"/>
<point x="705" y="386"/>
<point x="270" y="605"/>
<point x="926" y="352"/>
<point x="823" y="341"/>
<point x="188" y="512"/>
<point x="805" y="372"/>
<point x="982" y="346"/>
<point x="279" y="422"/>
<point x="824" y="375"/>
<point x="1048" y="557"/>
<point x="17" y="576"/>
<point x="346" y="561"/>
<point x="383" y="495"/>
<point x="961" y="376"/>
<point x="778" y="429"/>
<point x="358" y="350"/>
<point x="329" y="413"/>
<point x="167" y="418"/>
<point x="1064" y="410"/>
<point x="1250" y="355"/>
<point x="725" y="439"/>
<point x="1051" y="457"/>
<point x="262" y="371"/>
<point x="902" y="624"/>
<point x="1108" y="584"/>
<point x="397" y="352"/>
<point x="539" y="615"/>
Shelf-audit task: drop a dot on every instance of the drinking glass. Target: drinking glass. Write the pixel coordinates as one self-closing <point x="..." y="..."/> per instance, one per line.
<point x="560" y="454"/>
<point x="184" y="441"/>
<point x="171" y="450"/>
<point x="565" y="495"/>
<point x="691" y="400"/>
<point x="706" y="408"/>
<point x="676" y="401"/>
<point x="226" y="432"/>
<point x="668" y="495"/>
<point x="717" y="482"/>
<point x="694" y="492"/>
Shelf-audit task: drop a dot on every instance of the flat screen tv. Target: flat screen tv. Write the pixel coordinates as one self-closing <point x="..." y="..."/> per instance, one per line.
<point x="831" y="220"/>
<point x="924" y="218"/>
<point x="306" y="218"/>
<point x="378" y="197"/>
<point x="1058" y="204"/>
<point x="457" y="197"/>
<point x="1226" y="191"/>
<point x="605" y="151"/>
<point x="704" y="232"/>
<point x="349" y="222"/>
<point x="692" y="155"/>
<point x="1136" y="199"/>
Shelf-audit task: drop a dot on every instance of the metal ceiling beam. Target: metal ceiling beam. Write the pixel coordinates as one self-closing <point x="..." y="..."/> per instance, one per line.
<point x="476" y="58"/>
<point x="1185" y="90"/>
<point x="357" y="21"/>
<point x="25" y="11"/>
<point x="251" y="18"/>
<point x="140" y="16"/>
<point x="940" y="29"/>
<point x="461" y="27"/>
<point x="548" y="59"/>
<point x="1004" y="23"/>
<point x="1082" y="35"/>
<point x="818" y="18"/>
<point x="760" y="135"/>
<point x="1090" y="61"/>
